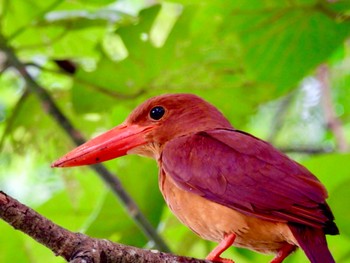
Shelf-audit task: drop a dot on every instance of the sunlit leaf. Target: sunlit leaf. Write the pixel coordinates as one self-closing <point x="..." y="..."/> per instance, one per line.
<point x="283" y="42"/>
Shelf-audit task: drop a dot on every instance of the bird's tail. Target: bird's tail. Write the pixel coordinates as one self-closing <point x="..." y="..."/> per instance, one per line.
<point x="313" y="242"/>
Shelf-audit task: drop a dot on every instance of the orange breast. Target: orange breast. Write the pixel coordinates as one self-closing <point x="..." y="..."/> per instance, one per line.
<point x="212" y="221"/>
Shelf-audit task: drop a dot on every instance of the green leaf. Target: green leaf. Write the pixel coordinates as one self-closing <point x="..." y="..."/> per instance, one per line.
<point x="332" y="170"/>
<point x="139" y="178"/>
<point x="18" y="247"/>
<point x="165" y="68"/>
<point x="284" y="42"/>
<point x="13" y="248"/>
<point x="20" y="14"/>
<point x="61" y="42"/>
<point x="339" y="200"/>
<point x="72" y="208"/>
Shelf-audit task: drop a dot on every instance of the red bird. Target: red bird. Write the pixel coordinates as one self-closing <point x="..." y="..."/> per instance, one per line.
<point x="224" y="184"/>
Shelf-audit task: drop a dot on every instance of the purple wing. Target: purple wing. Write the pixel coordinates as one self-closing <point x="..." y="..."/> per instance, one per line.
<point x="240" y="171"/>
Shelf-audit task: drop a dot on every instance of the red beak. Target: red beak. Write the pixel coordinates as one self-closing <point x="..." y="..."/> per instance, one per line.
<point x="111" y="144"/>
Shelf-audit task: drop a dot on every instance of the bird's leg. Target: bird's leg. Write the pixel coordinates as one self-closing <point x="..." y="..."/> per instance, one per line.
<point x="283" y="253"/>
<point x="223" y="245"/>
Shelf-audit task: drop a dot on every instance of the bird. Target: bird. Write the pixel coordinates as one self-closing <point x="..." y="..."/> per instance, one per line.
<point x="225" y="184"/>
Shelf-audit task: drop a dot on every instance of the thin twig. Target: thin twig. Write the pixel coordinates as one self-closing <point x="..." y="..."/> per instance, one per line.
<point x="279" y="116"/>
<point x="11" y="119"/>
<point x="111" y="180"/>
<point x="332" y="121"/>
<point x="39" y="16"/>
<point x="323" y="7"/>
<point x="111" y="93"/>
<point x="306" y="150"/>
<point x="93" y="86"/>
<point x="77" y="247"/>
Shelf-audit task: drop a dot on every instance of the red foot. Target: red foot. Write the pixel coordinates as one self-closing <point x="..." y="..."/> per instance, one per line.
<point x="283" y="253"/>
<point x="222" y="260"/>
<point x="223" y="245"/>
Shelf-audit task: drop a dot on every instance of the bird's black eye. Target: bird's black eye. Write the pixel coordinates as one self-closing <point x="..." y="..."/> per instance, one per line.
<point x="157" y="112"/>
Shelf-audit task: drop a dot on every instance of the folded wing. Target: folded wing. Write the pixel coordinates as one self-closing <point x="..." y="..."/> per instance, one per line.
<point x="240" y="171"/>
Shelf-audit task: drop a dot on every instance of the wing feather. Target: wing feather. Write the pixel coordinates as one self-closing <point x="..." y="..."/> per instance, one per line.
<point x="240" y="171"/>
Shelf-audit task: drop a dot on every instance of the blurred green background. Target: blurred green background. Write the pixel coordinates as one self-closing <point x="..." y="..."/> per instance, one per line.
<point x="277" y="69"/>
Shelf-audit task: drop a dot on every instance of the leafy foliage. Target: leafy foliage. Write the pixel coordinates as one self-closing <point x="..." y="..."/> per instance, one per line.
<point x="246" y="57"/>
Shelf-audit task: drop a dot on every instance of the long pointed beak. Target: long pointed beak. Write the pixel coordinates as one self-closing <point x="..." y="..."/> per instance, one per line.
<point x="109" y="145"/>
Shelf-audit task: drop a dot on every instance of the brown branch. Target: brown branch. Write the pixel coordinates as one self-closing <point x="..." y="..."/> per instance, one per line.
<point x="279" y="116"/>
<point x="110" y="179"/>
<point x="12" y="118"/>
<point x="93" y="86"/>
<point x="76" y="247"/>
<point x="332" y="121"/>
<point x="111" y="93"/>
<point x="323" y="7"/>
<point x="306" y="150"/>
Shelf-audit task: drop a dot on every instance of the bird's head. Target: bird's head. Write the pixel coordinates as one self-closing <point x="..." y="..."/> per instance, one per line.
<point x="148" y="128"/>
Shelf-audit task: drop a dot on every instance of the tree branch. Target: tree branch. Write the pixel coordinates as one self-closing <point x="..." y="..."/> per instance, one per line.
<point x="306" y="150"/>
<point x="77" y="247"/>
<point x="12" y="118"/>
<point x="93" y="86"/>
<point x="279" y="116"/>
<point x="110" y="179"/>
<point x="332" y="121"/>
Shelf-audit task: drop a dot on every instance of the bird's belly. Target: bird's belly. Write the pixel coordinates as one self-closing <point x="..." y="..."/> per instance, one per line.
<point x="212" y="221"/>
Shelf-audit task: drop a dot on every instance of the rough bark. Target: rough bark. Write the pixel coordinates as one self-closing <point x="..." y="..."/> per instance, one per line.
<point x="76" y="247"/>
